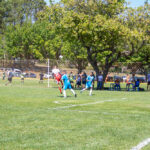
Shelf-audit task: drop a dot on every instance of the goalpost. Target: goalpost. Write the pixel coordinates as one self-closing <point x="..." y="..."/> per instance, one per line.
<point x="48" y="72"/>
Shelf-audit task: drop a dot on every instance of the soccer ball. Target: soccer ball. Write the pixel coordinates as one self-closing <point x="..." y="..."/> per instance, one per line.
<point x="60" y="56"/>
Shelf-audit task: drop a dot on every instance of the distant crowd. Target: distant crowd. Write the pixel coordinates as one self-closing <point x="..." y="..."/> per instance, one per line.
<point x="79" y="80"/>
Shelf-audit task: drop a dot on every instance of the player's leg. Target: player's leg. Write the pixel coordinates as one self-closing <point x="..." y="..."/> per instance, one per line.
<point x="69" y="86"/>
<point x="59" y="86"/>
<point x="84" y="89"/>
<point x="91" y="89"/>
<point x="60" y="89"/>
<point x="64" y="93"/>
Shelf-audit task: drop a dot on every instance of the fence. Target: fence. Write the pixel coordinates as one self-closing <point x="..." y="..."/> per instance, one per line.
<point x="33" y="68"/>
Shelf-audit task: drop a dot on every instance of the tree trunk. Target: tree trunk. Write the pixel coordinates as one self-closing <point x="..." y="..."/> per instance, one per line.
<point x="92" y="61"/>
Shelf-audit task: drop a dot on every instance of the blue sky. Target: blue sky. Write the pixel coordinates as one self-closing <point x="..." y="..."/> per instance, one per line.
<point x="133" y="3"/>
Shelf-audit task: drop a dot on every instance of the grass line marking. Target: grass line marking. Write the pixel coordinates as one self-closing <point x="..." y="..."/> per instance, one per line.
<point x="86" y="104"/>
<point x="142" y="144"/>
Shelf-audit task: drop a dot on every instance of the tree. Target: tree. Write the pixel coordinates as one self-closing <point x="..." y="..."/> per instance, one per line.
<point x="98" y="27"/>
<point x="76" y="55"/>
<point x="138" y="19"/>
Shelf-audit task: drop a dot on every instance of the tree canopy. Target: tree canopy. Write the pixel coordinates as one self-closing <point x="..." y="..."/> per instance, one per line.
<point x="99" y="32"/>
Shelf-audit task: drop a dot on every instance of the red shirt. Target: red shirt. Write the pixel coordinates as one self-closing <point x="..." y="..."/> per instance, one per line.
<point x="58" y="76"/>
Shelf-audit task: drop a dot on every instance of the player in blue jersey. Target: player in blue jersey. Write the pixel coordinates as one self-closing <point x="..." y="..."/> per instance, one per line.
<point x="89" y="81"/>
<point x="67" y="85"/>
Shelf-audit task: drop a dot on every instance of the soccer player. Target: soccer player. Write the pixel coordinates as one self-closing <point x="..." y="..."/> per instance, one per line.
<point x="57" y="77"/>
<point x="67" y="84"/>
<point x="89" y="84"/>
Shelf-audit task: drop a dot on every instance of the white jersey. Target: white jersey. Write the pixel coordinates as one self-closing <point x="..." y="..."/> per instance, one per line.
<point x="55" y="71"/>
<point x="148" y="77"/>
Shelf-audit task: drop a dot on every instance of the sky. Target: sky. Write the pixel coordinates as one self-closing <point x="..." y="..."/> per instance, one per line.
<point x="133" y="3"/>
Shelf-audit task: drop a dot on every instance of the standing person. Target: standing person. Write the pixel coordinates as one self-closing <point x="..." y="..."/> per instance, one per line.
<point x="99" y="81"/>
<point x="4" y="75"/>
<point x="89" y="84"/>
<point x="78" y="81"/>
<point x="67" y="85"/>
<point x="22" y="78"/>
<point x="41" y="77"/>
<point x="84" y="76"/>
<point x="10" y="76"/>
<point x="71" y="78"/>
<point x="93" y="79"/>
<point x="148" y="81"/>
<point x="57" y="77"/>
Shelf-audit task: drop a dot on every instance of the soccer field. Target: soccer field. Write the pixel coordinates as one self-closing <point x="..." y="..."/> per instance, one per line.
<point x="34" y="117"/>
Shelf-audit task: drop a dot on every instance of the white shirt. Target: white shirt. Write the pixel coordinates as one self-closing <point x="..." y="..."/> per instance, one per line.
<point x="148" y="77"/>
<point x="100" y="78"/>
<point x="55" y="71"/>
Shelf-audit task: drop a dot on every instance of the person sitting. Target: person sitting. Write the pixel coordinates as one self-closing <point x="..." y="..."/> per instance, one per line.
<point x="117" y="85"/>
<point x="137" y="84"/>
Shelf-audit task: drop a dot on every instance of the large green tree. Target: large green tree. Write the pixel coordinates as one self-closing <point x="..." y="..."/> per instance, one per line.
<point x="139" y="19"/>
<point x="98" y="26"/>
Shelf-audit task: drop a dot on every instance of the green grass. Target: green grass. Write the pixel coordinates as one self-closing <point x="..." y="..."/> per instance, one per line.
<point x="28" y="120"/>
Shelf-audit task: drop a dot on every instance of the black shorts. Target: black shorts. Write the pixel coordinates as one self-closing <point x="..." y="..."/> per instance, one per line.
<point x="10" y="79"/>
<point x="78" y="82"/>
<point x="83" y="82"/>
<point x="148" y="83"/>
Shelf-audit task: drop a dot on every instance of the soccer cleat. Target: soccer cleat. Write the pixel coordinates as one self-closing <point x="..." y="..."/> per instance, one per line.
<point x="75" y="95"/>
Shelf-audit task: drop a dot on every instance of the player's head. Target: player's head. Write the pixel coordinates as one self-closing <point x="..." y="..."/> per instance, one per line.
<point x="64" y="72"/>
<point x="55" y="67"/>
<point x="91" y="74"/>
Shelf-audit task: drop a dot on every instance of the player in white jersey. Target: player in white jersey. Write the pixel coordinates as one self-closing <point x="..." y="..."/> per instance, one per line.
<point x="57" y="76"/>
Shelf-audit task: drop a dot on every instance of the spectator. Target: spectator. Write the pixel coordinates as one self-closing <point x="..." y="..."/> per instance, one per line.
<point x="93" y="79"/>
<point x="137" y="84"/>
<point x="71" y="77"/>
<point x="99" y="81"/>
<point x="10" y="76"/>
<point x="22" y="78"/>
<point x="84" y="76"/>
<point x="4" y="75"/>
<point x="117" y="85"/>
<point x="41" y="77"/>
<point x="78" y="81"/>
<point x="148" y="81"/>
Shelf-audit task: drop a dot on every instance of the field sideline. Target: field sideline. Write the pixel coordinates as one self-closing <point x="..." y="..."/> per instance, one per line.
<point x="34" y="117"/>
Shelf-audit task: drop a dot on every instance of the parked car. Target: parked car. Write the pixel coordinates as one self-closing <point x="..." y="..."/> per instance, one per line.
<point x="29" y="75"/>
<point x="46" y="76"/>
<point x="32" y="75"/>
<point x="142" y="79"/>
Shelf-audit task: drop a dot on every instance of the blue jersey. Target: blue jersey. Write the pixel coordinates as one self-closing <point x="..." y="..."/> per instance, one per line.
<point x="89" y="81"/>
<point x="66" y="81"/>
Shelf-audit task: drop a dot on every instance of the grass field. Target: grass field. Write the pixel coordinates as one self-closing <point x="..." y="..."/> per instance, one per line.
<point x="34" y="117"/>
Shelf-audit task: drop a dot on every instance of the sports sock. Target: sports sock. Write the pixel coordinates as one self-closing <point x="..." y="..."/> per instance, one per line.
<point x="83" y="89"/>
<point x="64" y="92"/>
<point x="72" y="91"/>
<point x="60" y="90"/>
<point x="90" y="91"/>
